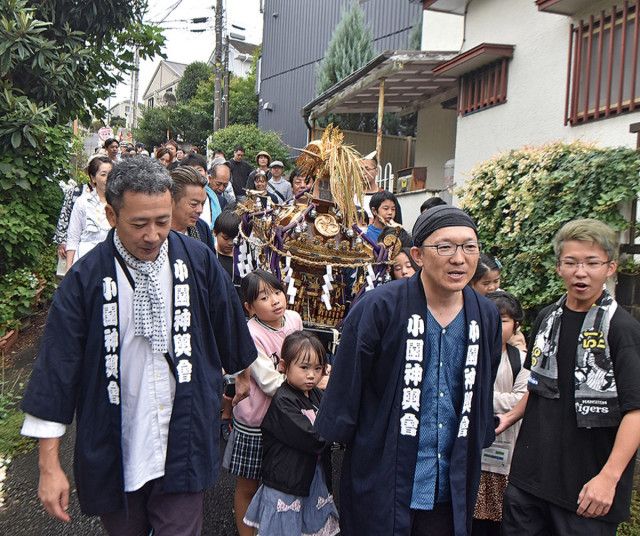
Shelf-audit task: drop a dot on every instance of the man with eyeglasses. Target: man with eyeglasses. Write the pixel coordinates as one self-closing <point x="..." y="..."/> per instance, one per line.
<point x="411" y="390"/>
<point x="572" y="469"/>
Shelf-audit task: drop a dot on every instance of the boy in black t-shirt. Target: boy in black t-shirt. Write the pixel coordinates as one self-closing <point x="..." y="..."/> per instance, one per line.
<point x="225" y="230"/>
<point x="572" y="468"/>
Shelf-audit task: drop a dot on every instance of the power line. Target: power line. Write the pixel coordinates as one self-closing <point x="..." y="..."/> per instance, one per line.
<point x="171" y="10"/>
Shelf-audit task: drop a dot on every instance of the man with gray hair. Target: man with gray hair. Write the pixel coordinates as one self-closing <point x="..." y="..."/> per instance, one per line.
<point x="135" y="341"/>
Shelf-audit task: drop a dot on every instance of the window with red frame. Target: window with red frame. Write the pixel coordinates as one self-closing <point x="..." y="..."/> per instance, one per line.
<point x="603" y="78"/>
<point x="483" y="88"/>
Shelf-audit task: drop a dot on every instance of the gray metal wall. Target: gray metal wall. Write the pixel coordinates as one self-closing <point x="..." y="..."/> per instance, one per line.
<point x="296" y="35"/>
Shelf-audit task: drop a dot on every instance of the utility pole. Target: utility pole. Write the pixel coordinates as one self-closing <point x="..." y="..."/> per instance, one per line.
<point x="136" y="81"/>
<point x="226" y="81"/>
<point x="219" y="68"/>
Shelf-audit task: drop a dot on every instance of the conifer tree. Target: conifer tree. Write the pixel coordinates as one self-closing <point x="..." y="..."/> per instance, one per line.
<point x="350" y="48"/>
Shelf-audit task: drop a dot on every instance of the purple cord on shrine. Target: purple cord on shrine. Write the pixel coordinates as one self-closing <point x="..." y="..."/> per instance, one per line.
<point x="278" y="240"/>
<point x="302" y="192"/>
<point x="374" y="245"/>
<point x="274" y="262"/>
<point x="380" y="254"/>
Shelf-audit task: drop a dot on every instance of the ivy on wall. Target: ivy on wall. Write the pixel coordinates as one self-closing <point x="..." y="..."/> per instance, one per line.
<point x="520" y="199"/>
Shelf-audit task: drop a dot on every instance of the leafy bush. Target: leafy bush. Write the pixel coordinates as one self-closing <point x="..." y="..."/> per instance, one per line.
<point x="17" y="293"/>
<point x="191" y="120"/>
<point x="29" y="210"/>
<point x="58" y="60"/>
<point x="632" y="527"/>
<point x="520" y="199"/>
<point x="30" y="200"/>
<point x="184" y="122"/>
<point x="252" y="139"/>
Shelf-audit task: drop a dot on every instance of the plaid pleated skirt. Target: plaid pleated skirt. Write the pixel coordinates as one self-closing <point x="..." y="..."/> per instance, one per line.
<point x="243" y="455"/>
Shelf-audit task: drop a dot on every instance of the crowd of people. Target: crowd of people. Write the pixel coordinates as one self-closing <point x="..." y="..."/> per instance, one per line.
<point x="452" y="423"/>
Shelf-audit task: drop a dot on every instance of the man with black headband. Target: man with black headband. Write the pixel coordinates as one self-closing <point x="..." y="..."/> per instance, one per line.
<point x="572" y="468"/>
<point x="411" y="390"/>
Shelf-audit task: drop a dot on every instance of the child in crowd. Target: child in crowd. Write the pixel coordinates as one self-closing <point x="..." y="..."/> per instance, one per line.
<point x="294" y="498"/>
<point x="403" y="265"/>
<point x="487" y="279"/>
<point x="509" y="387"/>
<point x="487" y="276"/>
<point x="383" y="210"/>
<point x="225" y="229"/>
<point x="270" y="323"/>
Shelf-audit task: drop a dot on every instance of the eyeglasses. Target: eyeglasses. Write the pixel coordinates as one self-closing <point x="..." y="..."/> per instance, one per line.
<point x="447" y="249"/>
<point x="589" y="266"/>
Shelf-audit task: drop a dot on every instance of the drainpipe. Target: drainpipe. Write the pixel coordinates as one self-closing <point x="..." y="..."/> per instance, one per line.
<point x="380" y="121"/>
<point x="310" y="127"/>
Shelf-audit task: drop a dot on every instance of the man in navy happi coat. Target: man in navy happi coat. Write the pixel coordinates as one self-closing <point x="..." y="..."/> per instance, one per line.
<point x="133" y="349"/>
<point x="411" y="391"/>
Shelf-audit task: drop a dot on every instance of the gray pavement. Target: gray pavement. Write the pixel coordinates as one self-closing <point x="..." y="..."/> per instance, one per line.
<point x="23" y="515"/>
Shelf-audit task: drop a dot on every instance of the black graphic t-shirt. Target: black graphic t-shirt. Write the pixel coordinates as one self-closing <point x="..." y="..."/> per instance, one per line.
<point x="553" y="458"/>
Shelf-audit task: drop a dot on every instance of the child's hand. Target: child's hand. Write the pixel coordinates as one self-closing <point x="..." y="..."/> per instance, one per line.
<point x="243" y="386"/>
<point x="322" y="384"/>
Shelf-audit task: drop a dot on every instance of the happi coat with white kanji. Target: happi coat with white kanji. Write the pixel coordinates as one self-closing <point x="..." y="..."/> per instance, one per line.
<point x="368" y="407"/>
<point x="77" y="372"/>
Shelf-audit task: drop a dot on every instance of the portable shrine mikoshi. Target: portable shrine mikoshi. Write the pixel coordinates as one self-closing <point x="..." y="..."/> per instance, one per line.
<point x="314" y="242"/>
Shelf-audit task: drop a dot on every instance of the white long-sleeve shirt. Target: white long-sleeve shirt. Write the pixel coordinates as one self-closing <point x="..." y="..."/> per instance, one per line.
<point x="88" y="224"/>
<point x="506" y="394"/>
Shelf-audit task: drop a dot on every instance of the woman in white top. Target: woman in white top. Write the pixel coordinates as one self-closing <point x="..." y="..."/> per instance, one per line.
<point x="88" y="225"/>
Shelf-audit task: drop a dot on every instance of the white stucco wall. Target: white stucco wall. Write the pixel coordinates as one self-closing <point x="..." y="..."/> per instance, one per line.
<point x="534" y="111"/>
<point x="442" y="31"/>
<point x="435" y="142"/>
<point x="410" y="203"/>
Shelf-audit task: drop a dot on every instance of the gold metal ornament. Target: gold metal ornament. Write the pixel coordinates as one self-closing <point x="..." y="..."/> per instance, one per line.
<point x="327" y="225"/>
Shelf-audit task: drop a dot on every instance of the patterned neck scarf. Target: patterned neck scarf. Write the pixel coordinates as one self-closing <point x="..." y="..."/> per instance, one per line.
<point x="193" y="233"/>
<point x="596" y="397"/>
<point x="148" y="303"/>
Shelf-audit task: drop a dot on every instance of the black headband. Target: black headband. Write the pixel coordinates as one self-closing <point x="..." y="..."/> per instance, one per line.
<point x="438" y="217"/>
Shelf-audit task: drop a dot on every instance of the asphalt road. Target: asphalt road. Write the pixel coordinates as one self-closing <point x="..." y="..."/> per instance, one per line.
<point x="23" y="515"/>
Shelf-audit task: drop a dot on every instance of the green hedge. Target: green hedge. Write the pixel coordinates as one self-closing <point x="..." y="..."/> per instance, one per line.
<point x="30" y="200"/>
<point x="632" y="527"/>
<point x="520" y="199"/>
<point x="253" y="140"/>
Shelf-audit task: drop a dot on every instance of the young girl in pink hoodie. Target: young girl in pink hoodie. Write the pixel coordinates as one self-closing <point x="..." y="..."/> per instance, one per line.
<point x="270" y="323"/>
